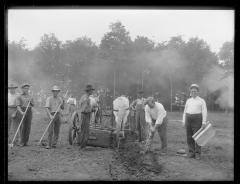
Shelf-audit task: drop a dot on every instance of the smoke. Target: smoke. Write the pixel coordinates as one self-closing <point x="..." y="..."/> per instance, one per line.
<point x="162" y="66"/>
<point x="25" y="70"/>
<point x="217" y="80"/>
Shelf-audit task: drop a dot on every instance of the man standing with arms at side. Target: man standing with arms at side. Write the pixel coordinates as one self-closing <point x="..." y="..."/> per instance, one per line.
<point x="52" y="104"/>
<point x="140" y="122"/>
<point x="194" y="117"/>
<point x="156" y="117"/>
<point x="22" y="103"/>
<point x="85" y="110"/>
<point x="12" y="110"/>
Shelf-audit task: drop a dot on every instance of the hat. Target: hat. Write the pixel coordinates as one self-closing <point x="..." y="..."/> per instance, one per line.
<point x="25" y="85"/>
<point x="10" y="86"/>
<point x="140" y="92"/>
<point x="56" y="88"/>
<point x="149" y="99"/>
<point x="194" y="86"/>
<point x="89" y="88"/>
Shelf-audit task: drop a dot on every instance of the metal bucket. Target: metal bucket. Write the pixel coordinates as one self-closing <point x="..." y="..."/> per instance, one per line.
<point x="203" y="135"/>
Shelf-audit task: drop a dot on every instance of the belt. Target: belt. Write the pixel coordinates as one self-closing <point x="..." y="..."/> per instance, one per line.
<point x="193" y="114"/>
<point x="118" y="110"/>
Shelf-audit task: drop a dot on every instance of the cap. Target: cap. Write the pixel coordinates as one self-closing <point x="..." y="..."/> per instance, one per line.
<point x="89" y="88"/>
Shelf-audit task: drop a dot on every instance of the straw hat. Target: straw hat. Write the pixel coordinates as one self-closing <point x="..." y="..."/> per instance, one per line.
<point x="56" y="88"/>
<point x="25" y="85"/>
<point x="194" y="86"/>
<point x="12" y="86"/>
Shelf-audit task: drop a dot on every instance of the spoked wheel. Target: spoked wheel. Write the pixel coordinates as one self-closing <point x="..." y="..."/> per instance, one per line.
<point x="73" y="129"/>
<point x="72" y="134"/>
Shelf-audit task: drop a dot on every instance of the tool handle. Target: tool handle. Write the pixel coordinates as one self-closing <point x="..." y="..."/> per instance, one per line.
<point x="51" y="120"/>
<point x="21" y="122"/>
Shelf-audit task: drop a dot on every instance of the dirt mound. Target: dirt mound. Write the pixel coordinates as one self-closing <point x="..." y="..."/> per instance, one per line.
<point x="137" y="164"/>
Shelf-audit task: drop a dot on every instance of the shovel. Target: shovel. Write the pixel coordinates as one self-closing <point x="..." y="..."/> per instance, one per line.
<point x="11" y="145"/>
<point x="51" y="121"/>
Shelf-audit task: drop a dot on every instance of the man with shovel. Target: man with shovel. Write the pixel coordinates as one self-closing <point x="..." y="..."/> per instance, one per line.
<point x="156" y="117"/>
<point x="12" y="110"/>
<point x="22" y="102"/>
<point x="52" y="105"/>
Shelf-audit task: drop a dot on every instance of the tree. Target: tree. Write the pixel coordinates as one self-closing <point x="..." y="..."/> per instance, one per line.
<point x="115" y="47"/>
<point x="226" y="55"/>
<point x="48" y="54"/>
<point x="143" y="44"/>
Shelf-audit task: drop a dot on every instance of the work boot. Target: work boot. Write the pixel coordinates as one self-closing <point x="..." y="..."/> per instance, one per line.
<point x="197" y="156"/>
<point x="48" y="147"/>
<point x="191" y="155"/>
<point x="164" y="151"/>
<point x="53" y="146"/>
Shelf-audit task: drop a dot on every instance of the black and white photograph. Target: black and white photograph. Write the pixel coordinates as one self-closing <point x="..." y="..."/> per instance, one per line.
<point x="120" y="94"/>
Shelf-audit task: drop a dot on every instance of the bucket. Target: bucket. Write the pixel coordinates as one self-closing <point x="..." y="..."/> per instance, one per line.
<point x="203" y="135"/>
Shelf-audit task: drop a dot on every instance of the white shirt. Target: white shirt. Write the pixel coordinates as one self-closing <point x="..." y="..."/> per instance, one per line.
<point x="11" y="99"/>
<point x="72" y="100"/>
<point x="195" y="106"/>
<point x="157" y="113"/>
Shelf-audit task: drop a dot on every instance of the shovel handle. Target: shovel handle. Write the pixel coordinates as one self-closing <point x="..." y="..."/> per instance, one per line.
<point x="21" y="122"/>
<point x="51" y="120"/>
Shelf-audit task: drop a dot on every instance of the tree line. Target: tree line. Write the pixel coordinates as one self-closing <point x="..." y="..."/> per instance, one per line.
<point x="120" y="64"/>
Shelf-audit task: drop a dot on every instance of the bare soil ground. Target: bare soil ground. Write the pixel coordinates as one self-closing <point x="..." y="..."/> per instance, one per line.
<point x="68" y="162"/>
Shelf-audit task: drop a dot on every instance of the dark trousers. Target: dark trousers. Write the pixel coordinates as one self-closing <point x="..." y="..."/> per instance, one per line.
<point x="162" y="132"/>
<point x="193" y="124"/>
<point x="25" y="128"/>
<point x="84" y="133"/>
<point x="132" y="121"/>
<point x="141" y="124"/>
<point x="54" y="130"/>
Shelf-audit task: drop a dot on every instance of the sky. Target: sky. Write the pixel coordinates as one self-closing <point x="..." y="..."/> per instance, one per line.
<point x="213" y="26"/>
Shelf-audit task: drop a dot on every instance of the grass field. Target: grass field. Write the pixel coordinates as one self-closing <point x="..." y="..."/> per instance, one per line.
<point x="70" y="163"/>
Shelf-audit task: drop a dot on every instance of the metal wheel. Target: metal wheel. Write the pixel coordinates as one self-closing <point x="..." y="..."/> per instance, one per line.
<point x="73" y="129"/>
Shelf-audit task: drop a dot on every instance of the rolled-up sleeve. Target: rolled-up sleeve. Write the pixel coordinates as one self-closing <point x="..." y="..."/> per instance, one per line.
<point x="18" y="101"/>
<point x="184" y="112"/>
<point x="161" y="114"/>
<point x="47" y="105"/>
<point x="204" y="111"/>
<point x="147" y="115"/>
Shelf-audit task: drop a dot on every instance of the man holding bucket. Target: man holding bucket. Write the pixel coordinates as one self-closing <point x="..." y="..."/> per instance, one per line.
<point x="52" y="104"/>
<point x="194" y="117"/>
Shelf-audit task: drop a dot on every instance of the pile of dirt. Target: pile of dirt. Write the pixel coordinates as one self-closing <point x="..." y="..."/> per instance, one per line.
<point x="137" y="164"/>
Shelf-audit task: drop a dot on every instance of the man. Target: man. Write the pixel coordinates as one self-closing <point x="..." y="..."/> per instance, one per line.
<point x="22" y="102"/>
<point x="138" y="106"/>
<point x="52" y="106"/>
<point x="194" y="116"/>
<point x="156" y="117"/>
<point x="85" y="110"/>
<point x="12" y="110"/>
